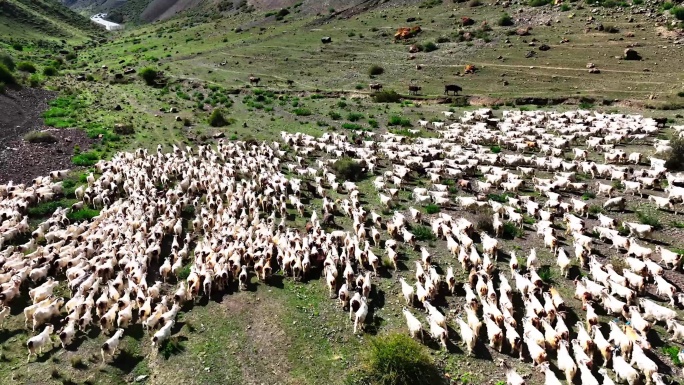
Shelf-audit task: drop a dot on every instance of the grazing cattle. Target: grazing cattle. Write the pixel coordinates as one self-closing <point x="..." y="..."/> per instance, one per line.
<point x="254" y="80"/>
<point x="452" y="88"/>
<point x="413" y="90"/>
<point x="326" y="40"/>
<point x="376" y="87"/>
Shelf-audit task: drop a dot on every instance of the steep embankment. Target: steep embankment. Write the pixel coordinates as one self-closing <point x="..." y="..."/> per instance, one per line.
<point x="42" y="19"/>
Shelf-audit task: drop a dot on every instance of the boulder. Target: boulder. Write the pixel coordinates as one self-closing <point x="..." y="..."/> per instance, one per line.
<point x="631" y="54"/>
<point x="544" y="47"/>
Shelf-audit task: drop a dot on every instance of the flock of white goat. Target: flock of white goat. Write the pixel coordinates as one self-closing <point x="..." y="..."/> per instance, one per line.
<point x="240" y="194"/>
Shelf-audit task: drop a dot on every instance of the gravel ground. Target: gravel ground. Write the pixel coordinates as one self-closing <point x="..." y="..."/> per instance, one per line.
<point x="21" y="161"/>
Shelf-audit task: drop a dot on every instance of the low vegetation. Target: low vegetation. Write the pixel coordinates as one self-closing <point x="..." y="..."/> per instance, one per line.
<point x="149" y="75"/>
<point x="216" y="119"/>
<point x="40" y="137"/>
<point x="375" y="70"/>
<point x="396" y="359"/>
<point x="347" y="168"/>
<point x="6" y="76"/>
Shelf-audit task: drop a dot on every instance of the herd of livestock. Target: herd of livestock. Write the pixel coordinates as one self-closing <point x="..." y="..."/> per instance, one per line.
<point x="241" y="194"/>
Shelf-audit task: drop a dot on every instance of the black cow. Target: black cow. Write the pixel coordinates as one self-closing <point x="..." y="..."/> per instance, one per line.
<point x="413" y="90"/>
<point x="452" y="88"/>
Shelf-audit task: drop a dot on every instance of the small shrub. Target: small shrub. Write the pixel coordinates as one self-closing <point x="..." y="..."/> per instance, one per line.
<point x="359" y="86"/>
<point x="375" y="70"/>
<point x="430" y="47"/>
<point x="85" y="159"/>
<point x="395" y="359"/>
<point x="679" y="225"/>
<point x="512" y="231"/>
<point x="539" y="3"/>
<point x="70" y="56"/>
<point x="84" y="214"/>
<point x="474" y="3"/>
<point x="678" y="12"/>
<point x="495" y="149"/>
<point x="8" y="62"/>
<point x="588" y="195"/>
<point x="399" y="121"/>
<point x="216" y="119"/>
<point x="171" y="347"/>
<point x="675" y="158"/>
<point x="545" y="274"/>
<point x="18" y="47"/>
<point x="423" y="233"/>
<point x="352" y="126"/>
<point x="149" y="75"/>
<point x="673" y="353"/>
<point x="505" y="20"/>
<point x="334" y="115"/>
<point x="611" y="29"/>
<point x="40" y="137"/>
<point x="432" y="209"/>
<point x="373" y="123"/>
<point x="443" y="39"/>
<point x="649" y="216"/>
<point x="389" y="96"/>
<point x="6" y="76"/>
<point x="77" y="362"/>
<point x="124" y="129"/>
<point x="354" y="116"/>
<point x="50" y="71"/>
<point x="485" y="223"/>
<point x="566" y="7"/>
<point x="668" y="5"/>
<point x="501" y="198"/>
<point x="596" y="209"/>
<point x="26" y="66"/>
<point x="302" y="112"/>
<point x="348" y="169"/>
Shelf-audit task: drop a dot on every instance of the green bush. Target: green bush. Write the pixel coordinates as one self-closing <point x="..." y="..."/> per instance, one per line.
<point x="495" y="149"/>
<point x="302" y="112"/>
<point x="46" y="208"/>
<point x="334" y="115"/>
<point x="7" y="61"/>
<point x="40" y="137"/>
<point x="389" y="96"/>
<point x="6" y="75"/>
<point x="649" y="216"/>
<point x="675" y="158"/>
<point x="423" y="233"/>
<point x="348" y="169"/>
<point x="71" y="56"/>
<point x="354" y="116"/>
<point x="512" y="231"/>
<point x="50" y="71"/>
<point x="566" y="7"/>
<point x="668" y="5"/>
<point x="430" y="46"/>
<point x="171" y="347"/>
<point x="432" y="209"/>
<point x="678" y="12"/>
<point x="216" y="119"/>
<point x="673" y="353"/>
<point x="539" y="3"/>
<point x="373" y="123"/>
<point x="18" y="47"/>
<point x="84" y="214"/>
<point x="399" y="121"/>
<point x="396" y="359"/>
<point x="375" y="70"/>
<point x="545" y="274"/>
<point x="505" y="20"/>
<point x="85" y="159"/>
<point x="149" y="75"/>
<point x="352" y="126"/>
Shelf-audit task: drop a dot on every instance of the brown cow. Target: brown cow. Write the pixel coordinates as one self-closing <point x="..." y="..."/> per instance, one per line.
<point x="254" y="80"/>
<point x="376" y="87"/>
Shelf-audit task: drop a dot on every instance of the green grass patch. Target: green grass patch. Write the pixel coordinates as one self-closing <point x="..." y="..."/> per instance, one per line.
<point x="26" y="66"/>
<point x="46" y="209"/>
<point x="512" y="231"/>
<point x="545" y="274"/>
<point x="539" y="3"/>
<point x="395" y="359"/>
<point x="50" y="71"/>
<point x="649" y="216"/>
<point x="302" y="112"/>
<point x="85" y="159"/>
<point x="348" y="169"/>
<point x="83" y="214"/>
<point x="432" y="209"/>
<point x="495" y="149"/>
<point x="423" y="233"/>
<point x="505" y="20"/>
<point x="673" y="353"/>
<point x="389" y="96"/>
<point x="354" y="116"/>
<point x="679" y="225"/>
<point x="395" y="120"/>
<point x="501" y="198"/>
<point x="588" y="195"/>
<point x="352" y="126"/>
<point x="6" y="75"/>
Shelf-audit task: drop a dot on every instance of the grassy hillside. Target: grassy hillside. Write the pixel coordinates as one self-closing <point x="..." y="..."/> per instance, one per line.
<point x="42" y="19"/>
